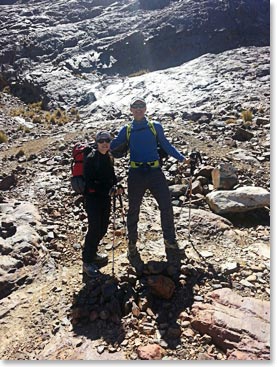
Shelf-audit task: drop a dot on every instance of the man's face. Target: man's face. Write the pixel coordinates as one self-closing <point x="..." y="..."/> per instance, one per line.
<point x="138" y="109"/>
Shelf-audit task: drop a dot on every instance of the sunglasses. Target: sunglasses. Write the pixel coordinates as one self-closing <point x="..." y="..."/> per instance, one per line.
<point x="138" y="105"/>
<point x="101" y="141"/>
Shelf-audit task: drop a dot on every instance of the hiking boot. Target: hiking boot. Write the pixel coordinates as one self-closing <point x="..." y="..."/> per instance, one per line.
<point x="134" y="257"/>
<point x="100" y="259"/>
<point x="90" y="269"/>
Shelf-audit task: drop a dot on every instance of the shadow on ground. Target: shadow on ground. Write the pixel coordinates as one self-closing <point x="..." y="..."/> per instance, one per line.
<point x="149" y="304"/>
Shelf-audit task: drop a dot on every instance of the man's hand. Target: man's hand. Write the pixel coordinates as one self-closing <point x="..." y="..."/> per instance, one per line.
<point x="116" y="190"/>
<point x="119" y="190"/>
<point x="184" y="163"/>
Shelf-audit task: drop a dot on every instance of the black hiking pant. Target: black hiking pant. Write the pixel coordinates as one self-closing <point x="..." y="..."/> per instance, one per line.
<point x="153" y="179"/>
<point x="98" y="212"/>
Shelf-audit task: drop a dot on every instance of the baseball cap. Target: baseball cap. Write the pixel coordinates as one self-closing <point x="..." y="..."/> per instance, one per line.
<point x="103" y="135"/>
<point x="137" y="99"/>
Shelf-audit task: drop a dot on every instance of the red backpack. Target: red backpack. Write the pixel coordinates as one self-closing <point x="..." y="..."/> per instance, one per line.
<point x="79" y="154"/>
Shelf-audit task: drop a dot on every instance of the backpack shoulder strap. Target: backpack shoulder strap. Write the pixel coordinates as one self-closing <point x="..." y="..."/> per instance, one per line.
<point x="150" y="125"/>
<point x="89" y="150"/>
<point x="152" y="128"/>
<point x="128" y="132"/>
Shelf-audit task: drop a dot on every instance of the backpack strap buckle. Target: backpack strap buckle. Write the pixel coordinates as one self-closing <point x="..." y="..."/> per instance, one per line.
<point x="153" y="164"/>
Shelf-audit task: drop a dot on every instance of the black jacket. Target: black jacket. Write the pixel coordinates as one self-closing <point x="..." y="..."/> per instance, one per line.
<point x="99" y="173"/>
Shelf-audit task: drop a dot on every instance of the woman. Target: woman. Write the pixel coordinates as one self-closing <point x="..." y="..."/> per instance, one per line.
<point x="100" y="178"/>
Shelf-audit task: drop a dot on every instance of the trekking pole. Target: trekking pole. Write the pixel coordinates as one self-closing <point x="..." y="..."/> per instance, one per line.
<point x="123" y="215"/>
<point x="195" y="158"/>
<point x="114" y="209"/>
<point x="112" y="193"/>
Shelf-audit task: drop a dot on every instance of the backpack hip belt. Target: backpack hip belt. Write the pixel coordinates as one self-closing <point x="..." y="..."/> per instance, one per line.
<point x="153" y="164"/>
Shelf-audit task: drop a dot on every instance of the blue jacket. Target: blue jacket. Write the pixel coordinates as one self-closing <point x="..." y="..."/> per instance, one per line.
<point x="143" y="143"/>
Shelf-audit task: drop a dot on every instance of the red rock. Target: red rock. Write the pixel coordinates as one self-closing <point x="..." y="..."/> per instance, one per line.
<point x="151" y="352"/>
<point x="235" y="323"/>
<point x="161" y="286"/>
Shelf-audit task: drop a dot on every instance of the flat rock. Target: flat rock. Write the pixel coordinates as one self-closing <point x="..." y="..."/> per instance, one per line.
<point x="235" y="322"/>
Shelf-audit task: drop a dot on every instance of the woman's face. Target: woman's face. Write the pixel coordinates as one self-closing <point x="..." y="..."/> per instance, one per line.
<point x="103" y="145"/>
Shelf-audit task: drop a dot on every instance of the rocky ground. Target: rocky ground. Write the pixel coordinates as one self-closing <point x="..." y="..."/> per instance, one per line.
<point x="181" y="312"/>
<point x="204" y="69"/>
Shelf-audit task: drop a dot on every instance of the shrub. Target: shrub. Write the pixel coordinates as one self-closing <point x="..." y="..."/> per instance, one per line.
<point x="3" y="137"/>
<point x="36" y="119"/>
<point x="23" y="128"/>
<point x="73" y="111"/>
<point x="58" y="113"/>
<point x="37" y="106"/>
<point x="17" y="112"/>
<point x="53" y="119"/>
<point x="247" y="115"/>
<point x="230" y="121"/>
<point x="47" y="116"/>
<point x="20" y="128"/>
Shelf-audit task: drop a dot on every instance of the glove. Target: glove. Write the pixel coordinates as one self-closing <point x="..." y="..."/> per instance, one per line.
<point x="195" y="157"/>
<point x="112" y="191"/>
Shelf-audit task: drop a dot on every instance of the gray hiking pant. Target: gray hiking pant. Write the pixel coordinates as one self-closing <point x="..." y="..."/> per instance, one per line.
<point x="153" y="179"/>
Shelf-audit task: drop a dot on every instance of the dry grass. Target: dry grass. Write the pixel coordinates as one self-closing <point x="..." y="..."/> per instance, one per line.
<point x="35" y="113"/>
<point x="247" y="116"/>
<point x="139" y="72"/>
<point x="3" y="137"/>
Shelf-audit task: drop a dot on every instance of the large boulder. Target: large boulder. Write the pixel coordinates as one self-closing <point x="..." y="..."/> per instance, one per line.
<point x="243" y="199"/>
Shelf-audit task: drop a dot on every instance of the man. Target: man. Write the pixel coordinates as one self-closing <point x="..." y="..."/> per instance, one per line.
<point x="145" y="173"/>
<point x="100" y="178"/>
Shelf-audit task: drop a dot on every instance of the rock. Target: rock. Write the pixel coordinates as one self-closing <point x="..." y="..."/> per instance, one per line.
<point x="200" y="219"/>
<point x="196" y="187"/>
<point x="243" y="155"/>
<point x="9" y="282"/>
<point x="161" y="286"/>
<point x="242" y="199"/>
<point x="8" y="263"/>
<point x="178" y="190"/>
<point x="224" y="177"/>
<point x="242" y="134"/>
<point x="150" y="352"/>
<point x="235" y="322"/>
<point x="7" y="182"/>
<point x="229" y="268"/>
<point x="21" y="246"/>
<point x="262" y="121"/>
<point x="53" y="59"/>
